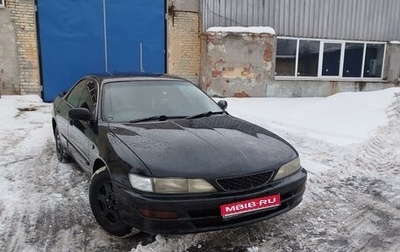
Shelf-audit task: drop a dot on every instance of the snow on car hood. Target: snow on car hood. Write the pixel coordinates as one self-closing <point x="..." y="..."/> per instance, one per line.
<point x="206" y="147"/>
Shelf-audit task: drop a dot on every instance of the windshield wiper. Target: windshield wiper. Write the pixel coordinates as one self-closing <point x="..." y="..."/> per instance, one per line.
<point x="164" y="117"/>
<point x="154" y="118"/>
<point x="150" y="118"/>
<point x="206" y="114"/>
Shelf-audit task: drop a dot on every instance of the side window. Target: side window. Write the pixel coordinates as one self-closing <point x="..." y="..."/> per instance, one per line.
<point x="84" y="95"/>
<point x="89" y="96"/>
<point x="75" y="96"/>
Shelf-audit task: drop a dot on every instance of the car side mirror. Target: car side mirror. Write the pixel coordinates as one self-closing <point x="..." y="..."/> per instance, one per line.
<point x="62" y="93"/>
<point x="222" y="104"/>
<point x="80" y="114"/>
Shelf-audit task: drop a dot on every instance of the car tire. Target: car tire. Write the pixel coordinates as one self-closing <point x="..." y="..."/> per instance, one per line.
<point x="104" y="205"/>
<point x="62" y="155"/>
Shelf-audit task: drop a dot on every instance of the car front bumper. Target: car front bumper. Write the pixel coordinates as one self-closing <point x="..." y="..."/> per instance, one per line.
<point x="199" y="213"/>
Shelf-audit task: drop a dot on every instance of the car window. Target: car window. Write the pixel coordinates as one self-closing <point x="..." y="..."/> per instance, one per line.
<point x="84" y="95"/>
<point x="76" y="93"/>
<point x="89" y="96"/>
<point x="126" y="101"/>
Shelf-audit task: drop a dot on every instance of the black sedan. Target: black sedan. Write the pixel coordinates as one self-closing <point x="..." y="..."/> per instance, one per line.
<point x="164" y="158"/>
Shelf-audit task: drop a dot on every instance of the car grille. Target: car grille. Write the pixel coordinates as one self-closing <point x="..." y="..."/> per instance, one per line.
<point x="245" y="182"/>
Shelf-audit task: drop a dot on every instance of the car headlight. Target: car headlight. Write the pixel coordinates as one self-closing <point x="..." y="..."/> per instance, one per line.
<point x="170" y="185"/>
<point x="288" y="168"/>
<point x="141" y="183"/>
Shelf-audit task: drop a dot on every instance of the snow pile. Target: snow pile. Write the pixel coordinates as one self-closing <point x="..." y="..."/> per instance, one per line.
<point x="177" y="243"/>
<point x="242" y="29"/>
<point x="341" y="119"/>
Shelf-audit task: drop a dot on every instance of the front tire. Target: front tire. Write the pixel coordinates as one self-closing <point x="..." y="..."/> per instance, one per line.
<point x="104" y="204"/>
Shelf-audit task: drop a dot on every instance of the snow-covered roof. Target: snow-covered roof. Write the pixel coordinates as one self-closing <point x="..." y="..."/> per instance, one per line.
<point x="242" y="29"/>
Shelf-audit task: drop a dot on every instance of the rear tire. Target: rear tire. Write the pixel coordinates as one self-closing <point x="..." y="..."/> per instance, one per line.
<point x="104" y="205"/>
<point x="62" y="155"/>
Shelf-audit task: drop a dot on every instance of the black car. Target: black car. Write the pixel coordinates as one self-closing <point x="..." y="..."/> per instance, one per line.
<point x="164" y="158"/>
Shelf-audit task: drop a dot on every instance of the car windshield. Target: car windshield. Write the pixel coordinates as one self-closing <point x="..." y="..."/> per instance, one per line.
<point x="131" y="101"/>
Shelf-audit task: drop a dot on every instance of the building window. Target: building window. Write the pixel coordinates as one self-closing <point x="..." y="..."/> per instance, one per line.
<point x="2" y="3"/>
<point x="353" y="57"/>
<point x="374" y="60"/>
<point x="308" y="58"/>
<point x="286" y="57"/>
<point x="329" y="59"/>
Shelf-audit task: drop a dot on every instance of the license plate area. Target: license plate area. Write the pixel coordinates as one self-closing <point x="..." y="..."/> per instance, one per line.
<point x="251" y="205"/>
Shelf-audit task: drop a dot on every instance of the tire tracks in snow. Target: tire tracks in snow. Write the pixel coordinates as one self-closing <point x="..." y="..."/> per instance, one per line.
<point x="52" y="211"/>
<point x="363" y="189"/>
<point x="44" y="204"/>
<point x="377" y="188"/>
<point x="352" y="206"/>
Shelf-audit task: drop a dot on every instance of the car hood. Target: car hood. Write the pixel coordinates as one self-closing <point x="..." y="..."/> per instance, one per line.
<point x="212" y="147"/>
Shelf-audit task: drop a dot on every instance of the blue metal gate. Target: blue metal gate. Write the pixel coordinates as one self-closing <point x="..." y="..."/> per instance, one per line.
<point x="92" y="36"/>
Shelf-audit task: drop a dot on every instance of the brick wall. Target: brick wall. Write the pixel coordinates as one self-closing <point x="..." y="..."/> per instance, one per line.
<point x="22" y="15"/>
<point x="183" y="44"/>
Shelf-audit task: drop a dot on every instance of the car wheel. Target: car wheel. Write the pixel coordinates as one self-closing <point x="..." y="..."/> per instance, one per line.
<point x="62" y="155"/>
<point x="104" y="205"/>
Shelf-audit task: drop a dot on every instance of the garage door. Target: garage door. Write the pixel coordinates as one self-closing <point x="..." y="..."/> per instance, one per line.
<point x="93" y="36"/>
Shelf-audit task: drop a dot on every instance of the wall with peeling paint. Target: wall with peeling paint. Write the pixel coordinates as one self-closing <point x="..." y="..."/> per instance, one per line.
<point x="237" y="64"/>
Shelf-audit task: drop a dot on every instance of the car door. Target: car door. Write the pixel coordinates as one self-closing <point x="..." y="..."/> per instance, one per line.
<point x="70" y="101"/>
<point x="61" y="117"/>
<point x="80" y="133"/>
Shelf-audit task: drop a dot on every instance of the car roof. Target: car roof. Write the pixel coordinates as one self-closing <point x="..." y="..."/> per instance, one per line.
<point x="109" y="77"/>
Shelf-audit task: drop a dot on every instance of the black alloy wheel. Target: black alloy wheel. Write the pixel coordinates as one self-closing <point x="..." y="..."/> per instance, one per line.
<point x="104" y="204"/>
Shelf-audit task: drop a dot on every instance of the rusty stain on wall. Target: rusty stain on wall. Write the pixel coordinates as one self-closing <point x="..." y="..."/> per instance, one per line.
<point x="333" y="87"/>
<point x="238" y="64"/>
<point x="242" y="94"/>
<point x="268" y="52"/>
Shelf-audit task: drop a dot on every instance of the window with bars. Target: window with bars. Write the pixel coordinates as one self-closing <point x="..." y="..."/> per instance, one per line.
<point x="330" y="59"/>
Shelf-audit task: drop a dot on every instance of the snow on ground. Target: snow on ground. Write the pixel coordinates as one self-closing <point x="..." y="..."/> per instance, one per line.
<point x="349" y="143"/>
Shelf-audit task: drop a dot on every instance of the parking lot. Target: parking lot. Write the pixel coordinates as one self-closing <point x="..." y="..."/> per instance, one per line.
<point x="352" y="200"/>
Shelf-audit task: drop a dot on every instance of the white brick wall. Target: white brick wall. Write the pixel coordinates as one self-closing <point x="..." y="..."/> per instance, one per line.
<point x="24" y="20"/>
<point x="184" y="48"/>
